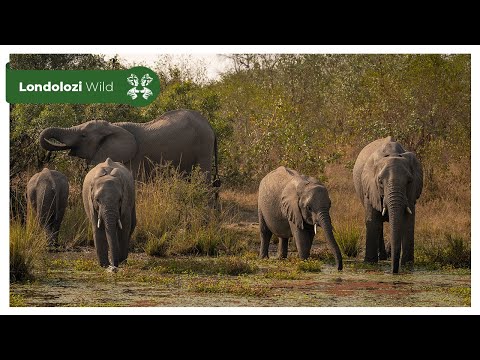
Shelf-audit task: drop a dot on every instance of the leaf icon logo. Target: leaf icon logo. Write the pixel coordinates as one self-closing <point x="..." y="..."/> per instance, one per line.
<point x="133" y="92"/>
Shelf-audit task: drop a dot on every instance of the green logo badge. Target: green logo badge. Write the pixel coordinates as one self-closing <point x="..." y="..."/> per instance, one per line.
<point x="137" y="86"/>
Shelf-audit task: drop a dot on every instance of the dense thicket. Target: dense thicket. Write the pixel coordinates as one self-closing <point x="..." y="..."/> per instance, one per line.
<point x="302" y="111"/>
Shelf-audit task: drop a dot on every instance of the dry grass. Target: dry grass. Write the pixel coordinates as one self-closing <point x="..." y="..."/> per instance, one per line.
<point x="28" y="244"/>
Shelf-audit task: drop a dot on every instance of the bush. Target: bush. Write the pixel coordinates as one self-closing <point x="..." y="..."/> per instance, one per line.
<point x="28" y="243"/>
<point x="348" y="239"/>
<point x="156" y="246"/>
<point x="453" y="251"/>
<point x="175" y="216"/>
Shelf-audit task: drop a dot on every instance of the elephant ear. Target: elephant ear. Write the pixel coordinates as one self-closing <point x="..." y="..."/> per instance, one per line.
<point x="116" y="143"/>
<point x="416" y="186"/>
<point x="371" y="189"/>
<point x="290" y="199"/>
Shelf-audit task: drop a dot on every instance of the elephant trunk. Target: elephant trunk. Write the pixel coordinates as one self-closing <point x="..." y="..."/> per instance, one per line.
<point x="325" y="222"/>
<point x="111" y="220"/>
<point x="53" y="139"/>
<point x="397" y="205"/>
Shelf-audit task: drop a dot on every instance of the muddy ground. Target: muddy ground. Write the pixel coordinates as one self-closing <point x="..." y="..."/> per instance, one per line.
<point x="74" y="279"/>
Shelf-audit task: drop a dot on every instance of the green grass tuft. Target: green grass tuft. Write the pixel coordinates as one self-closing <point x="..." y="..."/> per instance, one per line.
<point x="28" y="244"/>
<point x="453" y="251"/>
<point x="310" y="266"/>
<point x="17" y="300"/>
<point x="348" y="238"/>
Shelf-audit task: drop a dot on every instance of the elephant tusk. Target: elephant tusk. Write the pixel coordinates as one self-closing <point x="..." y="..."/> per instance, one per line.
<point x="120" y="224"/>
<point x="98" y="223"/>
<point x="315" y="228"/>
<point x="55" y="142"/>
<point x="408" y="210"/>
<point x="384" y="211"/>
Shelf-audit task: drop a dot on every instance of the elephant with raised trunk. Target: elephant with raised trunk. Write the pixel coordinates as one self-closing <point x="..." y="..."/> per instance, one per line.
<point x="294" y="205"/>
<point x="47" y="196"/>
<point x="109" y="201"/>
<point x="182" y="137"/>
<point x="388" y="180"/>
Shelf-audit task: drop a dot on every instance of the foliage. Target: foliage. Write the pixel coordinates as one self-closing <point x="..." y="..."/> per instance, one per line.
<point x="453" y="251"/>
<point x="348" y="238"/>
<point x="175" y="216"/>
<point x="28" y="243"/>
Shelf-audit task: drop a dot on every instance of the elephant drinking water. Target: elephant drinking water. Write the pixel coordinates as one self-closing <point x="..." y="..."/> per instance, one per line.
<point x="388" y="181"/>
<point x="294" y="205"/>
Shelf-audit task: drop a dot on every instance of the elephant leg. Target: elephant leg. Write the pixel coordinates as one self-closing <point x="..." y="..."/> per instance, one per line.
<point x="408" y="239"/>
<point x="124" y="238"/>
<point x="265" y="236"/>
<point x="282" y="247"/>
<point x="101" y="246"/>
<point x="374" y="225"/>
<point x="303" y="240"/>
<point x="382" y="252"/>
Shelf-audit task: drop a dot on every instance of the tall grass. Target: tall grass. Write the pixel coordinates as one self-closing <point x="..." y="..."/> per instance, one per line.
<point x="28" y="244"/>
<point x="75" y="229"/>
<point x="348" y="236"/>
<point x="175" y="216"/>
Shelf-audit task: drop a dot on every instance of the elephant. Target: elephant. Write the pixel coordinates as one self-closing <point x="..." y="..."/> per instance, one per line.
<point x="109" y="200"/>
<point x="47" y="196"/>
<point x="388" y="181"/>
<point x="290" y="204"/>
<point x="182" y="137"/>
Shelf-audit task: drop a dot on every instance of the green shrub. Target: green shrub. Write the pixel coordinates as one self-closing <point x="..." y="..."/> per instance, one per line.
<point x="453" y="251"/>
<point x="28" y="244"/>
<point x="156" y="246"/>
<point x="310" y="266"/>
<point x="348" y="238"/>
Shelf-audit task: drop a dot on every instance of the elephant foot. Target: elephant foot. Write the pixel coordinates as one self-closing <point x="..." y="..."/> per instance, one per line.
<point x="382" y="256"/>
<point x="112" y="269"/>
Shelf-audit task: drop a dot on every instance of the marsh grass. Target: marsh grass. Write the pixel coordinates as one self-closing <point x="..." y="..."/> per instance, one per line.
<point x="348" y="237"/>
<point x="227" y="287"/>
<point x="175" y="216"/>
<point x="452" y="250"/>
<point x="310" y="266"/>
<point x="28" y="244"/>
<point x="75" y="229"/>
<point x="233" y="266"/>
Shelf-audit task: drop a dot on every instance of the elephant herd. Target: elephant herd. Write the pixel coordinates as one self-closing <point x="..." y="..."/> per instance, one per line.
<point x="388" y="181"/>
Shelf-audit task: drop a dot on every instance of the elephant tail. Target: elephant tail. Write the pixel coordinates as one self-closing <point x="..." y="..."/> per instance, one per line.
<point x="216" y="180"/>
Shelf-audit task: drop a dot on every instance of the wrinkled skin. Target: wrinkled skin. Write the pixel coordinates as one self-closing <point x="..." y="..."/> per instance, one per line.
<point x="388" y="181"/>
<point x="47" y="196"/>
<point x="182" y="137"/>
<point x="109" y="201"/>
<point x="289" y="205"/>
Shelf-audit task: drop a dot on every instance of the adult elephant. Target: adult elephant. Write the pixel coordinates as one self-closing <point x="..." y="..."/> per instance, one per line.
<point x="388" y="180"/>
<point x="182" y="137"/>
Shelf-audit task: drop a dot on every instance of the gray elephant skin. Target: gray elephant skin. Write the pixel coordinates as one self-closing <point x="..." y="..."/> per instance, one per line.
<point x="182" y="137"/>
<point x="293" y="205"/>
<point x="109" y="201"/>
<point x="47" y="196"/>
<point x="388" y="181"/>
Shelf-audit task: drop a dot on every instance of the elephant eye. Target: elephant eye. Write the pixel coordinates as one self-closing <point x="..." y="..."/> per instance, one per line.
<point x="309" y="208"/>
<point x="83" y="135"/>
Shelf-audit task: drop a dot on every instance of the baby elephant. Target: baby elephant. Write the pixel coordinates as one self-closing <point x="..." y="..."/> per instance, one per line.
<point x="47" y="195"/>
<point x="290" y="204"/>
<point x="109" y="201"/>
